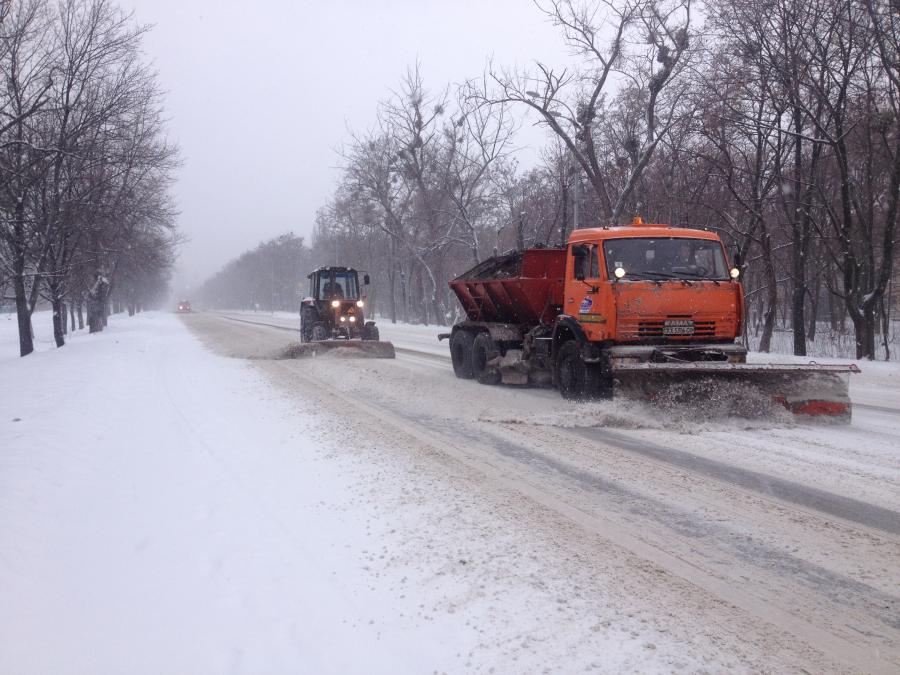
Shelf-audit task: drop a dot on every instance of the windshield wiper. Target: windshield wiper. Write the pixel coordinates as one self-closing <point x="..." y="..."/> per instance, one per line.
<point x="653" y="275"/>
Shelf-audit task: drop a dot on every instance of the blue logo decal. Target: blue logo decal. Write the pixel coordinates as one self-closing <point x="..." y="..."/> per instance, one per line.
<point x="586" y="305"/>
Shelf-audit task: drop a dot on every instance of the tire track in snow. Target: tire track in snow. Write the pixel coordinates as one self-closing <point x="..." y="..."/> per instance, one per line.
<point x="846" y="508"/>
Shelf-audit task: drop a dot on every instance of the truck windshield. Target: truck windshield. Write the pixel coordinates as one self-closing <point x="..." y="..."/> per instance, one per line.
<point x="665" y="258"/>
<point x="339" y="284"/>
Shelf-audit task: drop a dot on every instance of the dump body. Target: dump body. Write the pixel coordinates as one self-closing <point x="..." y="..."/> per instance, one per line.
<point x="517" y="288"/>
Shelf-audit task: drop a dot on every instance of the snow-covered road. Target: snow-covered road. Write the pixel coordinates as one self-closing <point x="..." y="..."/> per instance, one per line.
<point x="794" y="526"/>
<point x="167" y="509"/>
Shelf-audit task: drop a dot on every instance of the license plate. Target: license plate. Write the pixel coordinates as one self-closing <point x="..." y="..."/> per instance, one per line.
<point x="678" y="327"/>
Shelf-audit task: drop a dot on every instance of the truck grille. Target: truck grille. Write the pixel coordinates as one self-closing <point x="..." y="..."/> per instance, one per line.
<point x="682" y="327"/>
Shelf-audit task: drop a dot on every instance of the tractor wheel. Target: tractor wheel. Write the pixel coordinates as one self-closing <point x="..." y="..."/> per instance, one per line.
<point x="370" y="333"/>
<point x="306" y="323"/>
<point x="484" y="349"/>
<point x="461" y="353"/>
<point x="319" y="333"/>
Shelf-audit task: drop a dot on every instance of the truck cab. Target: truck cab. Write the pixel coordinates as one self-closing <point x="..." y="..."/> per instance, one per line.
<point x="651" y="284"/>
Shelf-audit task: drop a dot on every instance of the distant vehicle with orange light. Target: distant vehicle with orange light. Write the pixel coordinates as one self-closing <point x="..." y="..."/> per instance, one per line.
<point x="635" y="306"/>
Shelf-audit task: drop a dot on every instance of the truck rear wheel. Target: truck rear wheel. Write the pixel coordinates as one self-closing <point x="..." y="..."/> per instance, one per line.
<point x="484" y="349"/>
<point x="461" y="353"/>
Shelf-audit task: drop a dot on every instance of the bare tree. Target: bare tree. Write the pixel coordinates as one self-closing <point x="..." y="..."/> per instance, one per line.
<point x="643" y="44"/>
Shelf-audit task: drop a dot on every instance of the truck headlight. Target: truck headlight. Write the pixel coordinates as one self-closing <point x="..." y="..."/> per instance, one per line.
<point x="335" y="303"/>
<point x="619" y="272"/>
<point x="360" y="303"/>
<point x="735" y="273"/>
<point x="352" y="319"/>
<point x="343" y="318"/>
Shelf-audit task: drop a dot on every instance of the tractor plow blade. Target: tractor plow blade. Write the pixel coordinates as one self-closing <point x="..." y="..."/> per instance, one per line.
<point x="810" y="389"/>
<point x="353" y="349"/>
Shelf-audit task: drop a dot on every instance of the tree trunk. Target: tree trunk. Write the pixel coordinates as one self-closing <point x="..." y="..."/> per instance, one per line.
<point x="26" y="340"/>
<point x="59" y="317"/>
<point x="798" y="306"/>
<point x="80" y="314"/>
<point x="564" y="227"/>
<point x="765" y="342"/>
<point x="814" y="300"/>
<point x="871" y="323"/>
<point x="95" y="316"/>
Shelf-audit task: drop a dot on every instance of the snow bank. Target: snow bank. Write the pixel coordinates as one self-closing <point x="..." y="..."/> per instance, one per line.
<point x="162" y="511"/>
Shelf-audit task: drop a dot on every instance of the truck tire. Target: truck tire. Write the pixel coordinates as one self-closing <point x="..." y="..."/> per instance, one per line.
<point x="461" y="354"/>
<point x="483" y="350"/>
<point x="576" y="379"/>
<point x="318" y="333"/>
<point x="370" y="333"/>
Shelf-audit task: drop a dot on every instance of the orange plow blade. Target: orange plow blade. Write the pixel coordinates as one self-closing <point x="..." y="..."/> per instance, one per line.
<point x="812" y="389"/>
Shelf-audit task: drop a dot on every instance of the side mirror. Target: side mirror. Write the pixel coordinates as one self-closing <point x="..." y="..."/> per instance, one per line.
<point x="365" y="279"/>
<point x="736" y="258"/>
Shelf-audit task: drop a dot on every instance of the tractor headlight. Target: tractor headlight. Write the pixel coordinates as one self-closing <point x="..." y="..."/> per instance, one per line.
<point x="343" y="319"/>
<point x="335" y="303"/>
<point x="360" y="303"/>
<point x="735" y="273"/>
<point x="619" y="272"/>
<point x="352" y="319"/>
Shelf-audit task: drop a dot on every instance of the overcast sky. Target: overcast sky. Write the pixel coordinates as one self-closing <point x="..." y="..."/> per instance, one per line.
<point x="261" y="94"/>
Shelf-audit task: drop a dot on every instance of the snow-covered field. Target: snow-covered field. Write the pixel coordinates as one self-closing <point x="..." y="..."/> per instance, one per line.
<point x="165" y="508"/>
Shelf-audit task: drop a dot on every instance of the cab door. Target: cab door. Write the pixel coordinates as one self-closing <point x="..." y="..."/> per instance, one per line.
<point x="587" y="290"/>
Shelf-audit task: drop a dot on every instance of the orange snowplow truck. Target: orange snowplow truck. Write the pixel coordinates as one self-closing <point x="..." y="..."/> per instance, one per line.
<point x="633" y="307"/>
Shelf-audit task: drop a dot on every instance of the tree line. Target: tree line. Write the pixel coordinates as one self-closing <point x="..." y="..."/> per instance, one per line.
<point x="774" y="123"/>
<point x="270" y="277"/>
<point x="771" y="122"/>
<point x="85" y="166"/>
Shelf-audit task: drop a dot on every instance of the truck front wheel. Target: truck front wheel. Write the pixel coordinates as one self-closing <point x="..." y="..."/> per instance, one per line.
<point x="461" y="353"/>
<point x="576" y="379"/>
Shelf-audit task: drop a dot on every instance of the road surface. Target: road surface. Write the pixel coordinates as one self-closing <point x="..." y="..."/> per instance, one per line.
<point x="772" y="544"/>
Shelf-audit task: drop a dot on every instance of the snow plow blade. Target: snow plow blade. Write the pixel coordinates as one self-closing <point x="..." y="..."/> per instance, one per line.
<point x="810" y="389"/>
<point x="353" y="349"/>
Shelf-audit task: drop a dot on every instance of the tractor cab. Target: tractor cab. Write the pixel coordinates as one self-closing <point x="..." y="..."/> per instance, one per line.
<point x="335" y="306"/>
<point x="335" y="283"/>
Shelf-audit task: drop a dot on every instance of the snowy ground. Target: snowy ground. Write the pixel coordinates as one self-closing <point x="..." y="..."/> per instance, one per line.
<point x="164" y="508"/>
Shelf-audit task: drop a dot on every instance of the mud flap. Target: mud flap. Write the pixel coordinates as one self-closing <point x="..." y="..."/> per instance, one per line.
<point x="810" y="389"/>
<point x="360" y="349"/>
